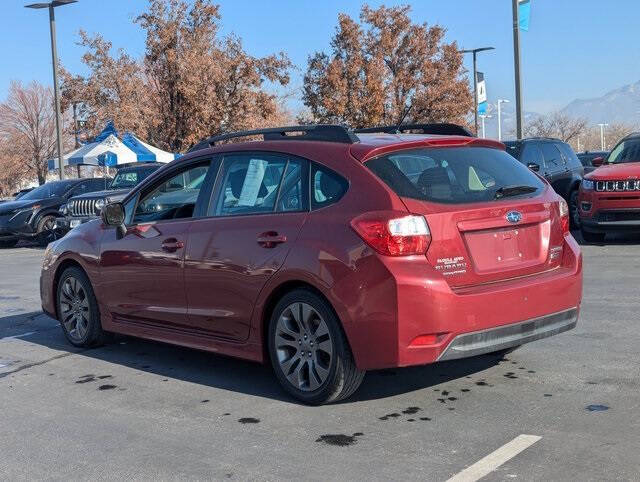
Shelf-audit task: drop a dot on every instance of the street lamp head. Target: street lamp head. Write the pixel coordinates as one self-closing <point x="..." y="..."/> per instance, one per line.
<point x="55" y="3"/>
<point x="481" y="49"/>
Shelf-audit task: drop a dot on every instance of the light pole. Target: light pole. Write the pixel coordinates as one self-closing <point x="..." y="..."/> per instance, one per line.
<point x="483" y="117"/>
<point x="500" y="102"/>
<point x="602" y="126"/>
<point x="475" y="81"/>
<point x="516" y="65"/>
<point x="54" y="56"/>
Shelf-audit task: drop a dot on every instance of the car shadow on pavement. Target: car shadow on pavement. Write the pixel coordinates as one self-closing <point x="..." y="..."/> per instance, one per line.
<point x="617" y="239"/>
<point x="178" y="363"/>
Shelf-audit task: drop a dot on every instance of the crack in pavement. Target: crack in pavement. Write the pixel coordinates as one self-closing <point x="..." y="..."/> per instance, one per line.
<point x="35" y="364"/>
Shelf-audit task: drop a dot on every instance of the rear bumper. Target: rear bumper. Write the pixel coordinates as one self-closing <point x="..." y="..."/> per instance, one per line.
<point x="509" y="336"/>
<point x="428" y="321"/>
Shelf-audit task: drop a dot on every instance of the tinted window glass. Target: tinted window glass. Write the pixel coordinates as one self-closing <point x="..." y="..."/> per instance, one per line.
<point x="326" y="187"/>
<point x="50" y="189"/>
<point x="250" y="184"/>
<point x="174" y="198"/>
<point x="453" y="175"/>
<point x="514" y="148"/>
<point x="626" y="151"/>
<point x="532" y="155"/>
<point x="570" y="156"/>
<point x="552" y="158"/>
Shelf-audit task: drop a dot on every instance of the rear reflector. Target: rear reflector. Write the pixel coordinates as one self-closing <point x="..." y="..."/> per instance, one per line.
<point x="392" y="235"/>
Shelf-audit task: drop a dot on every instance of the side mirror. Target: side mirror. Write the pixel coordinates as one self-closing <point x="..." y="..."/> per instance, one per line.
<point x="597" y="161"/>
<point x="113" y="215"/>
<point x="534" y="167"/>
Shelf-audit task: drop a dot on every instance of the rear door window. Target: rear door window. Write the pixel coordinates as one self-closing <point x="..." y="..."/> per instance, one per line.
<point x="454" y="175"/>
<point x="553" y="161"/>
<point x="254" y="183"/>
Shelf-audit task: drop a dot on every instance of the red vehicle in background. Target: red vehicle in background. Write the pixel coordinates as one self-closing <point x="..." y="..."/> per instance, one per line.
<point x="326" y="252"/>
<point x="609" y="198"/>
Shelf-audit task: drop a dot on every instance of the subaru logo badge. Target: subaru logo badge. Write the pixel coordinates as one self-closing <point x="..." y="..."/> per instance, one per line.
<point x="514" y="217"/>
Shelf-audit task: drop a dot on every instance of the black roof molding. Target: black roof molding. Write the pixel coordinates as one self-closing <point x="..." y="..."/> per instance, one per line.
<point x="440" y="128"/>
<point x="319" y="132"/>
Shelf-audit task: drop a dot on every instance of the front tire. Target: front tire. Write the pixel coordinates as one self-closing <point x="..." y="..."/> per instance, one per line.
<point x="309" y="352"/>
<point x="46" y="231"/>
<point x="574" y="214"/>
<point x="594" y="238"/>
<point x="78" y="309"/>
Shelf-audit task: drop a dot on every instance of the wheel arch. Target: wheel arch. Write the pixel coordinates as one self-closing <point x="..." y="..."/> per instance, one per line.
<point x="276" y="295"/>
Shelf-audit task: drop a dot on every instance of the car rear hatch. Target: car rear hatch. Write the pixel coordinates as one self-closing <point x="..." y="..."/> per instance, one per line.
<point x="490" y="218"/>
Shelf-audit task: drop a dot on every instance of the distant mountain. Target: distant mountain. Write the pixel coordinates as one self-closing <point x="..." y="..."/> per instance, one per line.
<point x="618" y="106"/>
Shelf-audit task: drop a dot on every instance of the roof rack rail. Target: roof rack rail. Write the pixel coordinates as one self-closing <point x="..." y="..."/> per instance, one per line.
<point x="318" y="132"/>
<point x="441" y="128"/>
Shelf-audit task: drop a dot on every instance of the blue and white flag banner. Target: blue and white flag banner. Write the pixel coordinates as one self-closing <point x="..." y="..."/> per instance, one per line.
<point x="524" y="13"/>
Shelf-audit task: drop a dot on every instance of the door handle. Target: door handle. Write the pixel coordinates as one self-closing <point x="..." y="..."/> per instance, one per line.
<point x="270" y="239"/>
<point x="171" y="245"/>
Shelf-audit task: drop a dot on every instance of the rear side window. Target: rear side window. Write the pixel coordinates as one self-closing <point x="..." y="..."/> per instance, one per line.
<point x="532" y="155"/>
<point x="326" y="187"/>
<point x="454" y="175"/>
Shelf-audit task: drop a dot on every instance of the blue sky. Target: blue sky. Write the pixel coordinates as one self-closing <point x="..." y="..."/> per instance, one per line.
<point x="574" y="49"/>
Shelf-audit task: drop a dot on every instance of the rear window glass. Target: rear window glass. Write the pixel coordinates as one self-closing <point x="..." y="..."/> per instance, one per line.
<point x="455" y="175"/>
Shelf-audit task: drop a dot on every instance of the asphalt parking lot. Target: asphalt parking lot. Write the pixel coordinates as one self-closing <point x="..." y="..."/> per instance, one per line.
<point x="142" y="410"/>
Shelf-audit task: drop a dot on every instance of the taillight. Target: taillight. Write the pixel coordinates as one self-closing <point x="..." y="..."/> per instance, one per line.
<point x="393" y="235"/>
<point x="564" y="215"/>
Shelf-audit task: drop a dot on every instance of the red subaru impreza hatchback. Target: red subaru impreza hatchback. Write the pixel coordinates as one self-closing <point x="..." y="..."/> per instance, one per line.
<point x="327" y="252"/>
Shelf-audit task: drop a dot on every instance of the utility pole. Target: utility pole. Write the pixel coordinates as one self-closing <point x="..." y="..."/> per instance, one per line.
<point x="516" y="64"/>
<point x="602" y="143"/>
<point x="475" y="81"/>
<point x="54" y="56"/>
<point x="500" y="102"/>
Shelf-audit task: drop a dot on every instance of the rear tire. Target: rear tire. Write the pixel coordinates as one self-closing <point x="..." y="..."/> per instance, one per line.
<point x="77" y="309"/>
<point x="8" y="243"/>
<point x="309" y="352"/>
<point x="595" y="238"/>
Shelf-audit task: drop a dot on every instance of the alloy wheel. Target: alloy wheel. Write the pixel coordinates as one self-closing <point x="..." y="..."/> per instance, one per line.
<point x="304" y="346"/>
<point x="74" y="308"/>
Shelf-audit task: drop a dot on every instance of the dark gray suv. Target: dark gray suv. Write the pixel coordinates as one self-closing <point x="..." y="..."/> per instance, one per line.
<point x="557" y="163"/>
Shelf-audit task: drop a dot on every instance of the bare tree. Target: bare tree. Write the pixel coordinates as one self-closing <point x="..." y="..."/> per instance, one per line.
<point x="557" y="125"/>
<point x="27" y="127"/>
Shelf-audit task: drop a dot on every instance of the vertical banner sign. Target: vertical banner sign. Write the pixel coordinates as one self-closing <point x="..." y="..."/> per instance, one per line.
<point x="524" y="12"/>
<point x="482" y="93"/>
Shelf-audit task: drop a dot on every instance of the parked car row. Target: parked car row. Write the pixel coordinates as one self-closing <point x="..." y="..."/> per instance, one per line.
<point x="33" y="215"/>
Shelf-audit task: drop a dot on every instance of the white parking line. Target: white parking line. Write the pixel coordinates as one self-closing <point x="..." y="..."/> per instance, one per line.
<point x="495" y="459"/>
<point x="22" y="335"/>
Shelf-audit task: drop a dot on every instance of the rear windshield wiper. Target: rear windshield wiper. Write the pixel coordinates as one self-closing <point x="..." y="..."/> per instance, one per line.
<point x="507" y="191"/>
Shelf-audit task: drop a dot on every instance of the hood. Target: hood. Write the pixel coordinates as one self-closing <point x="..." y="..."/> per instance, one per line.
<point x="615" y="172"/>
<point x="10" y="206"/>
<point x="106" y="194"/>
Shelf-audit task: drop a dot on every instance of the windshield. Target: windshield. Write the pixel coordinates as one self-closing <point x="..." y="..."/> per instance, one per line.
<point x="626" y="151"/>
<point x="455" y="175"/>
<point x="129" y="179"/>
<point x="50" y="189"/>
